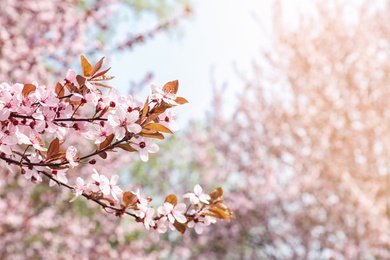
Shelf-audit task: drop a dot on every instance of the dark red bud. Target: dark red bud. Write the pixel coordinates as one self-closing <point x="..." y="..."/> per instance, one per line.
<point x="93" y="161"/>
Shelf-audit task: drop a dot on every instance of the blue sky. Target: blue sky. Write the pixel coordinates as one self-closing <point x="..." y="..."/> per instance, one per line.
<point x="221" y="32"/>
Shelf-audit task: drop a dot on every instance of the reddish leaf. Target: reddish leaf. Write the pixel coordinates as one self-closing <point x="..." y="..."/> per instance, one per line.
<point x="180" y="227"/>
<point x="81" y="80"/>
<point x="129" y="198"/>
<point x="101" y="73"/>
<point x="103" y="155"/>
<point x="171" y="87"/>
<point x="156" y="112"/>
<point x="104" y="110"/>
<point x="27" y="89"/>
<point x="158" y="127"/>
<point x="145" y="110"/>
<point x="97" y="66"/>
<point x="216" y="194"/>
<point x="106" y="142"/>
<point x="146" y="133"/>
<point x="60" y="91"/>
<point x="220" y="213"/>
<point x="171" y="198"/>
<point x="86" y="67"/>
<point x="72" y="88"/>
<point x="102" y="85"/>
<point x="181" y="100"/>
<point x="102" y="77"/>
<point x="126" y="147"/>
<point x="57" y="156"/>
<point x="53" y="149"/>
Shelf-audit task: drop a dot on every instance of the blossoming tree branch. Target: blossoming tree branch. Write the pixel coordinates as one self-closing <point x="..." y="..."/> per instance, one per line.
<point x="36" y="120"/>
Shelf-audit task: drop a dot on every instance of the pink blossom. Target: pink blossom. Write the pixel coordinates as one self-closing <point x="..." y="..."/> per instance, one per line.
<point x="45" y="97"/>
<point x="159" y="95"/>
<point x="197" y="196"/>
<point x="7" y="141"/>
<point x="4" y="112"/>
<point x="71" y="156"/>
<point x="122" y="121"/>
<point x="144" y="147"/>
<point x="71" y="76"/>
<point x="79" y="189"/>
<point x="161" y="225"/>
<point x="60" y="175"/>
<point x="143" y="200"/>
<point x="199" y="223"/>
<point x="148" y="218"/>
<point x="45" y="117"/>
<point x="107" y="186"/>
<point x="99" y="133"/>
<point x="32" y="139"/>
<point x="31" y="172"/>
<point x="173" y="212"/>
<point x="168" y="119"/>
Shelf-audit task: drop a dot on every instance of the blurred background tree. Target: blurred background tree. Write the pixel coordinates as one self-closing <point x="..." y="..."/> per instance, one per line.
<point x="40" y="39"/>
<point x="305" y="154"/>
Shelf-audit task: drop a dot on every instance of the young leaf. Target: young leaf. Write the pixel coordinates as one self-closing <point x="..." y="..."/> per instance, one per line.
<point x="53" y="149"/>
<point x="103" y="155"/>
<point x="102" y="85"/>
<point x="81" y="80"/>
<point x="102" y="77"/>
<point x="101" y="74"/>
<point x="129" y="198"/>
<point x="57" y="156"/>
<point x="180" y="227"/>
<point x="171" y="87"/>
<point x="86" y="66"/>
<point x="126" y="147"/>
<point x="181" y="100"/>
<point x="158" y="128"/>
<point x="97" y="66"/>
<point x="171" y="198"/>
<point x="106" y="142"/>
<point x="145" y="110"/>
<point x="27" y="89"/>
<point x="60" y="91"/>
<point x="216" y="194"/>
<point x="147" y="133"/>
<point x="156" y="112"/>
<point x="220" y="213"/>
<point x="103" y="112"/>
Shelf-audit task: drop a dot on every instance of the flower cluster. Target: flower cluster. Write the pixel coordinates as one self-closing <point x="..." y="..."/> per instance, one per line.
<point x="35" y="121"/>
